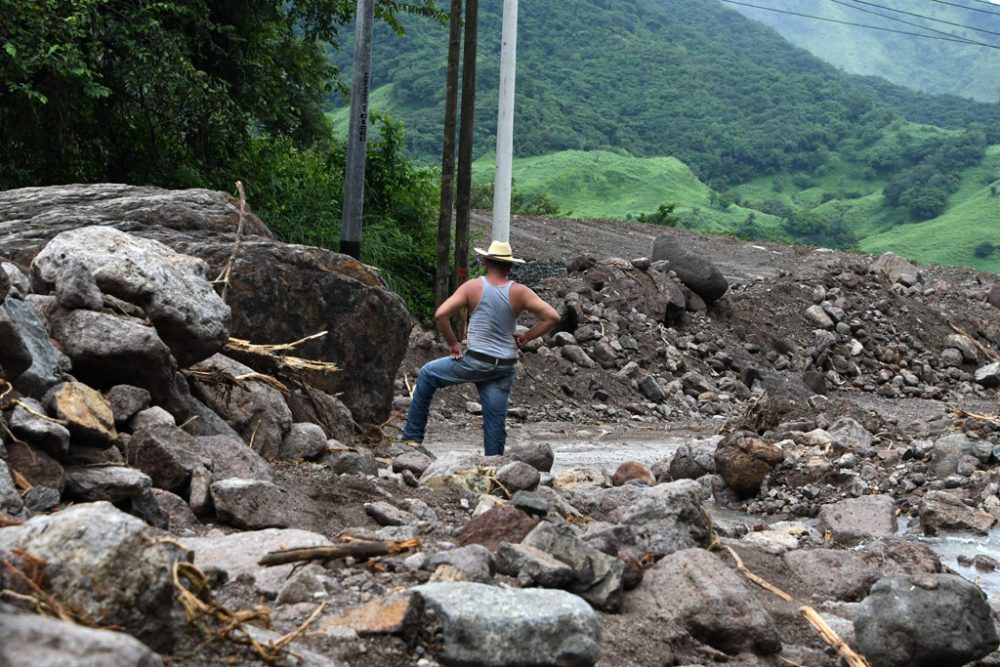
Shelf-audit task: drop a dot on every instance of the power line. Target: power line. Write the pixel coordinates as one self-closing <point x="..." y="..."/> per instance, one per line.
<point x="971" y="9"/>
<point x="956" y="39"/>
<point x="925" y="17"/>
<point x="905" y="22"/>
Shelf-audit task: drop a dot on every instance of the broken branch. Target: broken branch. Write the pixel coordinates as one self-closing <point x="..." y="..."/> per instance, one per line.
<point x="359" y="550"/>
<point x="831" y="638"/>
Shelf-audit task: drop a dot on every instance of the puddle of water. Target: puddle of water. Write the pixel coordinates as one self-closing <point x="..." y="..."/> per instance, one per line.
<point x="949" y="547"/>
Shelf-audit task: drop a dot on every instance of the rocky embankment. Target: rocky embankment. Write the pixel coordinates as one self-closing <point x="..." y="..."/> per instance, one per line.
<point x="163" y="455"/>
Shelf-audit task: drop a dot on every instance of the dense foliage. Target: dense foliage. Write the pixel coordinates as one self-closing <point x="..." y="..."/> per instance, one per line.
<point x="202" y="93"/>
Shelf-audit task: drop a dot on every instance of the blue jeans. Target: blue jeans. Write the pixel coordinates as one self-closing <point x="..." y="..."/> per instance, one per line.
<point x="493" y="383"/>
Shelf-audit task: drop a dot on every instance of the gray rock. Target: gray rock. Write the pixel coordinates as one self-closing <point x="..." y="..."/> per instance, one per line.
<point x="941" y="512"/>
<point x="651" y="389"/>
<point x="313" y="406"/>
<point x="597" y="577"/>
<point x="988" y="375"/>
<point x="474" y="561"/>
<point x="254" y="410"/>
<point x="420" y="509"/>
<point x="165" y="453"/>
<point x="697" y="273"/>
<point x="305" y="585"/>
<point x="4" y="285"/>
<point x="950" y="449"/>
<point x="126" y="401"/>
<point x="687" y="464"/>
<point x="414" y="461"/>
<point x="532" y="567"/>
<point x="38" y="468"/>
<point x="894" y="268"/>
<point x="178" y="512"/>
<point x="518" y="476"/>
<point x="857" y="520"/>
<point x="153" y="417"/>
<point x="11" y="503"/>
<point x="965" y="345"/>
<point x="389" y="515"/>
<point x="109" y="349"/>
<point x="951" y="357"/>
<point x="107" y="565"/>
<point x="530" y="503"/>
<point x="931" y="620"/>
<point x="669" y="519"/>
<point x="35" y="427"/>
<point x="832" y="573"/>
<point x="303" y="442"/>
<point x="250" y="503"/>
<point x="237" y="554"/>
<point x="145" y="506"/>
<point x="576" y="355"/>
<point x="539" y="455"/>
<point x="75" y="287"/>
<point x="40" y="499"/>
<point x="173" y="289"/>
<point x="228" y="456"/>
<point x="111" y="483"/>
<point x="849" y="435"/>
<point x="27" y="356"/>
<point x="345" y="462"/>
<point x="30" y="639"/>
<point x="485" y="625"/>
<point x="816" y="316"/>
<point x="712" y="602"/>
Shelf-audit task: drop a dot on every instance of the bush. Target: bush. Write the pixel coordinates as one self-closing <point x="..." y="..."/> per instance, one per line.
<point x="664" y="216"/>
<point x="984" y="250"/>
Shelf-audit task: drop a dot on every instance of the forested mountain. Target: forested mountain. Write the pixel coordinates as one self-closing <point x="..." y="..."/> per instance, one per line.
<point x="932" y="64"/>
<point x="686" y="78"/>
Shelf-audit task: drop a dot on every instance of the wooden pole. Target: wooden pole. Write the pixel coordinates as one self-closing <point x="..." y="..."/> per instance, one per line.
<point x="442" y="273"/>
<point x="505" y="124"/>
<point x="357" y="138"/>
<point x="465" y="139"/>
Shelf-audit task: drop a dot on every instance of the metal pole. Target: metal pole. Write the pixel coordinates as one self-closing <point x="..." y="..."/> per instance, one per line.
<point x="357" y="138"/>
<point x="465" y="135"/>
<point x="505" y="124"/>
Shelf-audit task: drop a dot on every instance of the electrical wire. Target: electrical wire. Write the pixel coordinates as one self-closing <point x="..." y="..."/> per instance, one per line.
<point x="959" y="40"/>
<point x="905" y="22"/>
<point x="971" y="9"/>
<point x="924" y="16"/>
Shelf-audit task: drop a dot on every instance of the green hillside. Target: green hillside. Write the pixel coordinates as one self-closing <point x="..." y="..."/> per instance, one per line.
<point x="931" y="65"/>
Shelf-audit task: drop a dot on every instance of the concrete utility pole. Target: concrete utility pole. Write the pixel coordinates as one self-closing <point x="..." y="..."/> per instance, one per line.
<point x="442" y="272"/>
<point x="465" y="135"/>
<point x="505" y="124"/>
<point x="357" y="138"/>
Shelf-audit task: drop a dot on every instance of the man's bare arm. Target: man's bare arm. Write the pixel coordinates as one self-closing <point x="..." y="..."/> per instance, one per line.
<point x="454" y="303"/>
<point x="546" y="314"/>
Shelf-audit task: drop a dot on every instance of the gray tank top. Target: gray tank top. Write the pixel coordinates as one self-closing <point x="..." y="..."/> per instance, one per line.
<point x="492" y="325"/>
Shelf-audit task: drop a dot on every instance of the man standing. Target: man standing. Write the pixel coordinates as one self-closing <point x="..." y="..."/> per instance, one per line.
<point x="495" y="302"/>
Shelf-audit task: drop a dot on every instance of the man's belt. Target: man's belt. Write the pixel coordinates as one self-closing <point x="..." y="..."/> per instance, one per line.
<point x="487" y="359"/>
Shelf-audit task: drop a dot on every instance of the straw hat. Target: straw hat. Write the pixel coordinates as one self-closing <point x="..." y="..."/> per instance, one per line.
<point x="499" y="251"/>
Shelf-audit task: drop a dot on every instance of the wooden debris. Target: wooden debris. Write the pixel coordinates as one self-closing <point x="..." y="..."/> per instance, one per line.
<point x="273" y="360"/>
<point x="217" y="376"/>
<point x="839" y="645"/>
<point x="227" y="272"/>
<point x="964" y="414"/>
<point x="990" y="354"/>
<point x="357" y="549"/>
<point x="760" y="581"/>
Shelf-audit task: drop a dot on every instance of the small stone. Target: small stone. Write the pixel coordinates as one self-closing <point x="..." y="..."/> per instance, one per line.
<point x="389" y="515"/>
<point x="126" y="401"/>
<point x="87" y="413"/>
<point x="518" y="476"/>
<point x="303" y="442"/>
<point x="530" y="503"/>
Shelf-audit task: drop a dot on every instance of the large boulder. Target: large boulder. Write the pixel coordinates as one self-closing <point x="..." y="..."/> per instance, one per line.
<point x="172" y="289"/>
<point x="27" y="356"/>
<point x="669" y="518"/>
<point x="931" y="620"/>
<point x="942" y="512"/>
<point x="485" y="625"/>
<point x="367" y="325"/>
<point x="697" y="273"/>
<point x="107" y="565"/>
<point x="855" y="520"/>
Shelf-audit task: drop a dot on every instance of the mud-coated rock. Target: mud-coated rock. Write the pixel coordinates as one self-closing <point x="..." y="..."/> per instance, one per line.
<point x="948" y="451"/>
<point x="697" y="273"/>
<point x="499" y="524"/>
<point x="173" y="289"/>
<point x="931" y="620"/>
<point x="696" y="590"/>
<point x="250" y="504"/>
<point x="38" y="468"/>
<point x="942" y="512"/>
<point x="313" y="406"/>
<point x="228" y="456"/>
<point x="744" y="460"/>
<point x="832" y="573"/>
<point x="668" y="519"/>
<point x="165" y="453"/>
<point x="109" y="566"/>
<point x="509" y="627"/>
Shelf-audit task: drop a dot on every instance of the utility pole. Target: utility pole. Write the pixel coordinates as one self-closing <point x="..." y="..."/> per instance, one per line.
<point x="465" y="136"/>
<point x="357" y="138"/>
<point x="442" y="273"/>
<point x="505" y="124"/>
